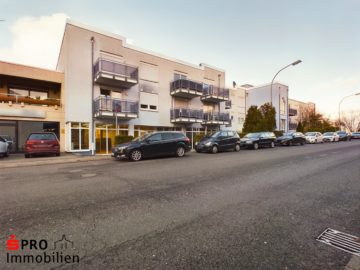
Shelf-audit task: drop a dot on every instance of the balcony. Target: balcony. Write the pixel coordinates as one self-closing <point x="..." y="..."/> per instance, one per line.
<point x="212" y="118"/>
<point x="27" y="100"/>
<point x="107" y="72"/>
<point x="106" y="107"/>
<point x="183" y="115"/>
<point x="292" y="112"/>
<point x="186" y="88"/>
<point x="214" y="94"/>
<point x="292" y="126"/>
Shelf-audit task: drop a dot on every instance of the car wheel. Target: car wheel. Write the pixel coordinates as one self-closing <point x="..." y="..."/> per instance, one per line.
<point x="302" y="143"/>
<point x="237" y="147"/>
<point x="272" y="145"/>
<point x="256" y="146"/>
<point x="135" y="155"/>
<point x="180" y="151"/>
<point x="215" y="149"/>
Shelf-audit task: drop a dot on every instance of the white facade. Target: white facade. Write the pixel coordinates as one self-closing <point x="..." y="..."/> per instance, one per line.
<point x="237" y="110"/>
<point x="259" y="95"/>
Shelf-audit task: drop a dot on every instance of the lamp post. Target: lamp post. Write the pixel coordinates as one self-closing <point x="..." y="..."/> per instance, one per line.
<point x="272" y="82"/>
<point x="356" y="94"/>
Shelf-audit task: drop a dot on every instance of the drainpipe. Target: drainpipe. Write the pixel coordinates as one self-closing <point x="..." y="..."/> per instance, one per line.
<point x="92" y="40"/>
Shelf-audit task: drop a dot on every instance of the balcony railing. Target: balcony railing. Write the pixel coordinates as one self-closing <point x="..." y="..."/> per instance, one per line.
<point x="111" y="107"/>
<point x="186" y="88"/>
<point x="183" y="115"/>
<point x="19" y="99"/>
<point x="212" y="118"/>
<point x="116" y="74"/>
<point x="292" y="112"/>
<point x="292" y="126"/>
<point x="215" y="94"/>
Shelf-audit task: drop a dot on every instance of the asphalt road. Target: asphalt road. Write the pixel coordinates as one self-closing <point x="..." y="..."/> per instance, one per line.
<point x="248" y="210"/>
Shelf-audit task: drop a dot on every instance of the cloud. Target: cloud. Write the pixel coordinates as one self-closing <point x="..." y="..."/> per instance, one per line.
<point x="36" y="41"/>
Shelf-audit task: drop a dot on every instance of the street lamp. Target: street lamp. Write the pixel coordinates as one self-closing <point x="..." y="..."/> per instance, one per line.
<point x="356" y="94"/>
<point x="272" y="82"/>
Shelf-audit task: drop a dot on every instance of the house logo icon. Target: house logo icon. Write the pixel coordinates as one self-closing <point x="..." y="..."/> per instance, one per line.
<point x="63" y="244"/>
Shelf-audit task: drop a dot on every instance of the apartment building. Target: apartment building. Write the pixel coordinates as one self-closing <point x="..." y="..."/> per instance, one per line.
<point x="237" y="108"/>
<point x="114" y="88"/>
<point x="277" y="95"/>
<point x="296" y="111"/>
<point x="31" y="100"/>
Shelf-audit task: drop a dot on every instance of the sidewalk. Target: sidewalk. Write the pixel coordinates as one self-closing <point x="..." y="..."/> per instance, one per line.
<point x="18" y="160"/>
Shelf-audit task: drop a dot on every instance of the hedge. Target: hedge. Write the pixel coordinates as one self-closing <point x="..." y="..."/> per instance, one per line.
<point x="123" y="139"/>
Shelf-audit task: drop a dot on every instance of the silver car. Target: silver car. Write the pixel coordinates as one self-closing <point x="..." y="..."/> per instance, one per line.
<point x="331" y="137"/>
<point x="314" y="137"/>
<point x="4" y="148"/>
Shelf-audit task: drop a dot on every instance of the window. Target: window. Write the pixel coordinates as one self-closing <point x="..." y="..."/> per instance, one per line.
<point x="167" y="136"/>
<point x="231" y="133"/>
<point x="79" y="134"/>
<point x="155" y="137"/>
<point x="144" y="106"/>
<point x="223" y="134"/>
<point x="36" y="94"/>
<point x="153" y="107"/>
<point x="105" y="92"/>
<point x="42" y="137"/>
<point x="149" y="101"/>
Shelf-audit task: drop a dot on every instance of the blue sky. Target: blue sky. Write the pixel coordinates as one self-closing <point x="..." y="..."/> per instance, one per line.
<point x="251" y="40"/>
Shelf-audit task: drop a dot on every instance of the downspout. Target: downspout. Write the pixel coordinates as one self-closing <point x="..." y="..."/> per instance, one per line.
<point x="92" y="40"/>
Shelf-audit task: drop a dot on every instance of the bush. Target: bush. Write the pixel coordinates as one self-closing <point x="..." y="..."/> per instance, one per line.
<point x="198" y="137"/>
<point x="123" y="139"/>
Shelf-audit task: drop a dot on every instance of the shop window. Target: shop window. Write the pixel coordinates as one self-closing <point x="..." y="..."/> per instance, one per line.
<point x="79" y="136"/>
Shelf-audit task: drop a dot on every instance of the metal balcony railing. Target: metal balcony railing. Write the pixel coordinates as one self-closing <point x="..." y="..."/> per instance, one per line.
<point x="292" y="126"/>
<point x="292" y="112"/>
<point x="186" y="84"/>
<point x="130" y="73"/>
<point x="211" y="90"/>
<point x="31" y="100"/>
<point x="186" y="113"/>
<point x="107" y="104"/>
<point x="221" y="117"/>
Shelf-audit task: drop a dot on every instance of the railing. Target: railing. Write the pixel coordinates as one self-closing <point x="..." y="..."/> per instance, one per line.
<point x="186" y="113"/>
<point x="106" y="104"/>
<point x="223" y="117"/>
<point x="114" y="68"/>
<point x="20" y="99"/>
<point x="186" y="84"/>
<point x="292" y="112"/>
<point x="293" y="126"/>
<point x="211" y="90"/>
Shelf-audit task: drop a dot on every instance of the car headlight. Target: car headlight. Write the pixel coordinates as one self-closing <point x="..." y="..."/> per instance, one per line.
<point x="208" y="143"/>
<point x="121" y="148"/>
<point x="196" y="143"/>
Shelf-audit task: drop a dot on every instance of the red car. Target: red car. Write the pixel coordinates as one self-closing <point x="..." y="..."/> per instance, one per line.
<point x="42" y="143"/>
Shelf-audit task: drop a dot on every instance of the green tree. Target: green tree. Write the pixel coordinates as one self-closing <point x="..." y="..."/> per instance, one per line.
<point x="268" y="122"/>
<point x="253" y="120"/>
<point x="300" y="127"/>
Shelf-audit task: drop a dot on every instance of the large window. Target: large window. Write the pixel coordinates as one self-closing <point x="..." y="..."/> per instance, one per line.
<point x="29" y="93"/>
<point x="79" y="136"/>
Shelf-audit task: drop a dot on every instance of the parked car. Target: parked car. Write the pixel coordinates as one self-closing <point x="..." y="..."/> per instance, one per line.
<point x="219" y="141"/>
<point x="258" y="140"/>
<point x="291" y="138"/>
<point x="42" y="143"/>
<point x="4" y="148"/>
<point x="9" y="140"/>
<point x="314" y="137"/>
<point x="344" y="136"/>
<point x="330" y="137"/>
<point x="154" y="144"/>
<point x="355" y="135"/>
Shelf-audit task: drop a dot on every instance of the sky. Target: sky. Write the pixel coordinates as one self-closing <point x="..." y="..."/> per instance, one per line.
<point x="250" y="40"/>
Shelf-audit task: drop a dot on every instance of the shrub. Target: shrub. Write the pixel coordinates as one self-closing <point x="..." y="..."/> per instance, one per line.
<point x="123" y="139"/>
<point x="198" y="137"/>
<point x="278" y="133"/>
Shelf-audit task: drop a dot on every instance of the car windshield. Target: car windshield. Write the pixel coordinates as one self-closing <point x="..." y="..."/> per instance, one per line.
<point x="214" y="135"/>
<point x="42" y="137"/>
<point x="6" y="137"/>
<point x="252" y="135"/>
<point x="310" y="134"/>
<point x="341" y="132"/>
<point x="329" y="134"/>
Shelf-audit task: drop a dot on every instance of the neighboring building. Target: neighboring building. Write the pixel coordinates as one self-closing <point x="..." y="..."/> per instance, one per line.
<point x="115" y="88"/>
<point x="297" y="110"/>
<point x="259" y="95"/>
<point x="237" y="108"/>
<point x="31" y="100"/>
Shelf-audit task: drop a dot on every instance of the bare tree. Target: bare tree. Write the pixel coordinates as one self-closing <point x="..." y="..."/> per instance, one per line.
<point x="350" y="120"/>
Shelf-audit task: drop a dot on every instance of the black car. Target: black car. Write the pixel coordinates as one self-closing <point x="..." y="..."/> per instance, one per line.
<point x="291" y="138"/>
<point x="344" y="136"/>
<point x="219" y="141"/>
<point x="355" y="135"/>
<point x="154" y="144"/>
<point x="258" y="140"/>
